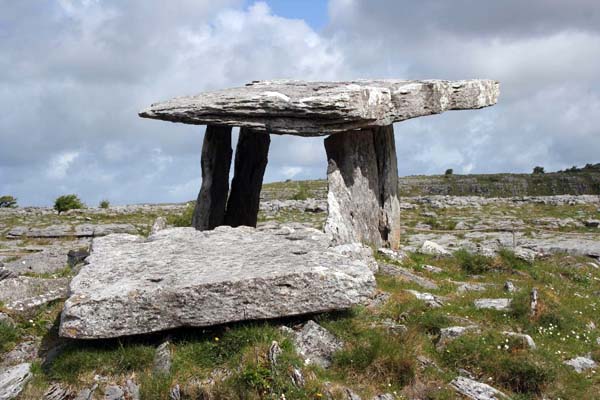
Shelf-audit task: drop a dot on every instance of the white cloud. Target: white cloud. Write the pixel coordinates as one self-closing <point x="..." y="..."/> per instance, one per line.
<point x="60" y="163"/>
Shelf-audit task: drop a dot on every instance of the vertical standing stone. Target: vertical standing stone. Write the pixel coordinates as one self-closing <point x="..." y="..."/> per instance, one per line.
<point x="250" y="163"/>
<point x="389" y="203"/>
<point x="216" y="161"/>
<point x="362" y="178"/>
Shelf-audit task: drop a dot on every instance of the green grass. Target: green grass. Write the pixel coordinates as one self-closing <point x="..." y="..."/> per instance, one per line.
<point x="9" y="336"/>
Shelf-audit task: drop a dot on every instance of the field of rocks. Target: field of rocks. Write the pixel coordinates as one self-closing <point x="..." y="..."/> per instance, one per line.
<point x="488" y="298"/>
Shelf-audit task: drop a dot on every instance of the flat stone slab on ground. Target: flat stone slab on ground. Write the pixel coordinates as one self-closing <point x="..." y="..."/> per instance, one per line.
<point x="321" y="108"/>
<point x="24" y="293"/>
<point x="66" y="230"/>
<point x="13" y="380"/>
<point x="183" y="277"/>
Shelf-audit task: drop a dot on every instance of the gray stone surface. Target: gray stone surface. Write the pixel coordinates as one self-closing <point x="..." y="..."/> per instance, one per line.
<point x="432" y="248"/>
<point x="162" y="358"/>
<point x="24" y="293"/>
<point x="321" y="108"/>
<point x="494" y="304"/>
<point x="57" y="392"/>
<point x="453" y="332"/>
<point x="476" y="390"/>
<point x="362" y="198"/>
<point x="408" y="275"/>
<point x="250" y="163"/>
<point x="13" y="380"/>
<point x="184" y="277"/>
<point x="581" y="364"/>
<point x="527" y="340"/>
<point x="159" y="224"/>
<point x="68" y="231"/>
<point x="431" y="299"/>
<point x="216" y="162"/>
<point x="316" y="344"/>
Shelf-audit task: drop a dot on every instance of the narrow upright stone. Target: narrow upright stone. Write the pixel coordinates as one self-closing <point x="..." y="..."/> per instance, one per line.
<point x="216" y="161"/>
<point x="363" y="187"/>
<point x="250" y="163"/>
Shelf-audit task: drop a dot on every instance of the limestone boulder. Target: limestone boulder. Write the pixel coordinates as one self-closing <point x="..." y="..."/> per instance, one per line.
<point x="13" y="380"/>
<point x="184" y="277"/>
<point x="26" y="293"/>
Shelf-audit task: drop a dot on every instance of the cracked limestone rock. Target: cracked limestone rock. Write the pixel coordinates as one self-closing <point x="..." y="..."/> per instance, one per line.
<point x="25" y="293"/>
<point x="316" y="344"/>
<point x="321" y="108"/>
<point x="476" y="390"/>
<point x="13" y="380"/>
<point x="182" y="277"/>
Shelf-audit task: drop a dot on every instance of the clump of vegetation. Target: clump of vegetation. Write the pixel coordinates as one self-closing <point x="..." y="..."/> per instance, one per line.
<point x="473" y="263"/>
<point x="104" y="204"/>
<point x="539" y="170"/>
<point x="449" y="172"/>
<point x="507" y="360"/>
<point x="8" y="202"/>
<point x="68" y="202"/>
<point x="375" y="356"/>
<point x="303" y="193"/>
<point x="8" y="336"/>
<point x="184" y="219"/>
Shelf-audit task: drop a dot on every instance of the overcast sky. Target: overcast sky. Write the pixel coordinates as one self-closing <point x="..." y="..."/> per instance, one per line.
<point x="74" y="74"/>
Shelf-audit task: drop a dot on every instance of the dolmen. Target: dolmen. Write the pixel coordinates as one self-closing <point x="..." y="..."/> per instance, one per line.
<point x="225" y="269"/>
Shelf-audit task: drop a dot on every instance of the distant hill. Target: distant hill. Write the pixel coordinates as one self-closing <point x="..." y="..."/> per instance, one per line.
<point x="575" y="180"/>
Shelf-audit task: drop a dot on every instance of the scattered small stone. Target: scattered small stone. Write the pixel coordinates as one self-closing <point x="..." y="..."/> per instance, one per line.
<point x="297" y="377"/>
<point x="57" y="392"/>
<point x="6" y="274"/>
<point x="494" y="304"/>
<point x="471" y="287"/>
<point x="581" y="363"/>
<point x="114" y="392"/>
<point x="5" y="319"/>
<point x="274" y="353"/>
<point x="13" y="380"/>
<point x="432" y="301"/>
<point x="350" y="395"/>
<point x="316" y="345"/>
<point x="175" y="393"/>
<point x="434" y="249"/>
<point x="451" y="333"/>
<point x="24" y="352"/>
<point x="408" y="275"/>
<point x="391" y="325"/>
<point x="132" y="390"/>
<point x="525" y="254"/>
<point x="476" y="390"/>
<point x="75" y="257"/>
<point x="379" y="299"/>
<point x="509" y="287"/>
<point x="396" y="255"/>
<point x="162" y="358"/>
<point x="87" y="394"/>
<point x="432" y="269"/>
<point x="592" y="223"/>
<point x="385" y="396"/>
<point x="159" y="224"/>
<point x="534" y="301"/>
<point x="528" y="340"/>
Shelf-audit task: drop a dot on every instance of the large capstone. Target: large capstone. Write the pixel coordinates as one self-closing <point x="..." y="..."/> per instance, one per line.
<point x="184" y="277"/>
<point x="322" y="108"/>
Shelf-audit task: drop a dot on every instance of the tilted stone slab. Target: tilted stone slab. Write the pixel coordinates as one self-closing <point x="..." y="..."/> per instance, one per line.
<point x="321" y="108"/>
<point x="184" y="277"/>
<point x="26" y="293"/>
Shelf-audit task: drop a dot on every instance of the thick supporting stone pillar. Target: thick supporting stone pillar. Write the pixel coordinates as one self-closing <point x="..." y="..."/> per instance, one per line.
<point x="250" y="163"/>
<point x="216" y="161"/>
<point x="362" y="177"/>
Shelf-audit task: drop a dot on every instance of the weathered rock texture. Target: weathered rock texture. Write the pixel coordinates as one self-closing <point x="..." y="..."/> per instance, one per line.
<point x="363" y="185"/>
<point x="13" y="380"/>
<point x="476" y="390"/>
<point x="24" y="293"/>
<point x="322" y="108"/>
<point x="184" y="277"/>
<point x="250" y="163"/>
<point x="216" y="161"/>
<point x="316" y="344"/>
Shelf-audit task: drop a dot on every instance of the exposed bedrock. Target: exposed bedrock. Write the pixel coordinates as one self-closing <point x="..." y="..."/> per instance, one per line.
<point x="216" y="161"/>
<point x="362" y="187"/>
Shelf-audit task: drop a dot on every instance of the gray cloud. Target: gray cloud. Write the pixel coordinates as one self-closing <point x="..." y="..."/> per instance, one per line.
<point x="75" y="73"/>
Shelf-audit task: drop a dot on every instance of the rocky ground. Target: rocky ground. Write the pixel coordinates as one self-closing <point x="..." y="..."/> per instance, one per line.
<point x="488" y="299"/>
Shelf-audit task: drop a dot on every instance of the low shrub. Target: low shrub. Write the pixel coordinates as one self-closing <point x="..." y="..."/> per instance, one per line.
<point x="8" y="202"/>
<point x="302" y="193"/>
<point x="104" y="204"/>
<point x="68" y="202"/>
<point x="473" y="263"/>
<point x="184" y="219"/>
<point x="8" y="337"/>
